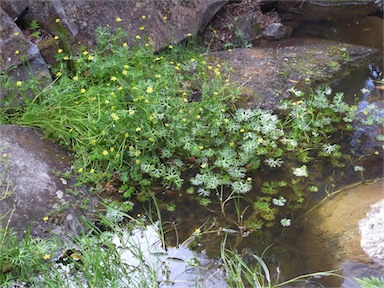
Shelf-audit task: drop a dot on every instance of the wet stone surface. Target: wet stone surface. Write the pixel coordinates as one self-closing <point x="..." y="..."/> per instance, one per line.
<point x="32" y="197"/>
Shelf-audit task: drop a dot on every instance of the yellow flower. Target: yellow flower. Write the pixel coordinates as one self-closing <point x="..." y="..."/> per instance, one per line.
<point x="107" y="101"/>
<point x="90" y="57"/>
<point x="138" y="129"/>
<point x="189" y="35"/>
<point x="56" y="37"/>
<point x="113" y="78"/>
<point x="92" y="171"/>
<point x="124" y="72"/>
<point x="141" y="28"/>
<point x="165" y="18"/>
<point x="125" y="44"/>
<point x="60" y="51"/>
<point x="118" y="19"/>
<point x="17" y="52"/>
<point x="204" y="165"/>
<point x="126" y="135"/>
<point x="58" y="74"/>
<point x="57" y="20"/>
<point x="143" y="17"/>
<point x="16" y="33"/>
<point x="85" y="53"/>
<point x="19" y="83"/>
<point x="242" y="130"/>
<point x="80" y="170"/>
<point x="112" y="149"/>
<point x="158" y="76"/>
<point x="83" y="90"/>
<point x="66" y="58"/>
<point x="170" y="46"/>
<point x="115" y="117"/>
<point x="45" y="219"/>
<point x="377" y="153"/>
<point x="197" y="232"/>
<point x="75" y="78"/>
<point x="126" y="66"/>
<point x="138" y="37"/>
<point x="46" y="256"/>
<point x="149" y="90"/>
<point x="120" y="88"/>
<point x="105" y="152"/>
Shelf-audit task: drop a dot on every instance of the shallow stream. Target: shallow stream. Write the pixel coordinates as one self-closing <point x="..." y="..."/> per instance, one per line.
<point x="304" y="249"/>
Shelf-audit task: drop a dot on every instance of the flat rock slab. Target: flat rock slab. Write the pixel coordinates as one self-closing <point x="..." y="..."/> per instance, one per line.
<point x="32" y="196"/>
<point x="265" y="74"/>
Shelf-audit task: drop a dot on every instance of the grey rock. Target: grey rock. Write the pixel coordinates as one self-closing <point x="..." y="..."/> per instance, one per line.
<point x="372" y="236"/>
<point x="30" y="191"/>
<point x="20" y="57"/>
<point x="265" y="74"/>
<point x="166" y="20"/>
<point x="276" y="31"/>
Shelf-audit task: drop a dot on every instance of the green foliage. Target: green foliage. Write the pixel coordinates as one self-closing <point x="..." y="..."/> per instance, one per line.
<point x="34" y="27"/>
<point x="140" y="118"/>
<point x="371" y="282"/>
<point x="21" y="258"/>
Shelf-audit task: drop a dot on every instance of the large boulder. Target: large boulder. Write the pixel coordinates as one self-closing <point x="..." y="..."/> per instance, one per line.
<point x="34" y="193"/>
<point x="265" y="74"/>
<point x="165" y="21"/>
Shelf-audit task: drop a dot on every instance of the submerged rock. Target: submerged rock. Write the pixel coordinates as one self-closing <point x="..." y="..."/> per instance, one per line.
<point x="33" y="194"/>
<point x="345" y="233"/>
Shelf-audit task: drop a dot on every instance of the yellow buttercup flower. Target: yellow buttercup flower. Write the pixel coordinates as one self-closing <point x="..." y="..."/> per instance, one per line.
<point x="149" y="89"/>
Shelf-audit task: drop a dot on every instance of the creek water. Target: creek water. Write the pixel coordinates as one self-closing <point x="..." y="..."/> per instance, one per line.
<point x="303" y="249"/>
